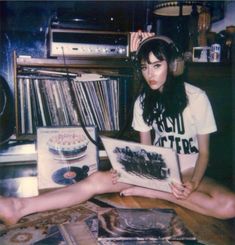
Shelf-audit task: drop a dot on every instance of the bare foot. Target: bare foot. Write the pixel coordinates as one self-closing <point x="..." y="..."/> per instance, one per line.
<point x="9" y="211"/>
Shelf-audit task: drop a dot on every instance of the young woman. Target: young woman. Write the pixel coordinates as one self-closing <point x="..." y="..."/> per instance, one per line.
<point x="181" y="117"/>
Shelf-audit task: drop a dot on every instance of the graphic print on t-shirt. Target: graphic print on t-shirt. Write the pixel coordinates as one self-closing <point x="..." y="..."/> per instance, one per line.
<point x="174" y="134"/>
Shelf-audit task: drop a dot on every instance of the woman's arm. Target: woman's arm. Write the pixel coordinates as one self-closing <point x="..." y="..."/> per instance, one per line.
<point x="145" y="138"/>
<point x="184" y="190"/>
<point x="202" y="161"/>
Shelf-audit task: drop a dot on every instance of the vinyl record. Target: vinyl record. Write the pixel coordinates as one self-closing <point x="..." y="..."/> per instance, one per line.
<point x="70" y="175"/>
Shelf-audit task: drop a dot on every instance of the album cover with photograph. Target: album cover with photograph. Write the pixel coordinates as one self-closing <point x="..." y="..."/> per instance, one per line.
<point x="65" y="155"/>
<point x="53" y="236"/>
<point x="143" y="165"/>
<point x="120" y="224"/>
<point x="77" y="233"/>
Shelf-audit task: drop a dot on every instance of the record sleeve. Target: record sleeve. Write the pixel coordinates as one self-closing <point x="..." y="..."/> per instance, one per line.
<point x="65" y="155"/>
<point x="120" y="224"/>
<point x="143" y="165"/>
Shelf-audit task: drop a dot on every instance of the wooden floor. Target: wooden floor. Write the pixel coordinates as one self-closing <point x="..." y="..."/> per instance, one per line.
<point x="207" y="230"/>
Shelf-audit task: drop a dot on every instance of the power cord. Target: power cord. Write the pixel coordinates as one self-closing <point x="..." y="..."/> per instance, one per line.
<point x="123" y="129"/>
<point x="75" y="104"/>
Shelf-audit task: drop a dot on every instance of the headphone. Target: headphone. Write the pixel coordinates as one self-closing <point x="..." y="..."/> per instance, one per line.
<point x="177" y="65"/>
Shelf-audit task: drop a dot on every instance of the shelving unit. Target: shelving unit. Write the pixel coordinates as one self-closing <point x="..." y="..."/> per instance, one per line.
<point x="53" y="84"/>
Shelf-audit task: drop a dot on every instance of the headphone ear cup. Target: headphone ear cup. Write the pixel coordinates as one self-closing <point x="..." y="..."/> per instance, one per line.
<point x="177" y="66"/>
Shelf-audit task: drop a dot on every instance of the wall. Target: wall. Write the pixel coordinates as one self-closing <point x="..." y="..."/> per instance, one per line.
<point x="229" y="18"/>
<point x="23" y="29"/>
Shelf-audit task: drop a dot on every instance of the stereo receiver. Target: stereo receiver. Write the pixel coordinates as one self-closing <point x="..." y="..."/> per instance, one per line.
<point x="83" y="43"/>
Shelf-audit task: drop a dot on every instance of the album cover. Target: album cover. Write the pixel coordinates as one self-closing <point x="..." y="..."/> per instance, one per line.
<point x="143" y="165"/>
<point x="65" y="155"/>
<point x="54" y="236"/>
<point x="118" y="224"/>
<point x="77" y="233"/>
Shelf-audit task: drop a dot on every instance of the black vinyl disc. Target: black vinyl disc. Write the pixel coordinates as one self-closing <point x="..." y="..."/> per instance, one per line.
<point x="70" y="175"/>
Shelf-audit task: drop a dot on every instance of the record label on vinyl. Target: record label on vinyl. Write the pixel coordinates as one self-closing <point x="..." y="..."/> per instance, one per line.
<point x="70" y="175"/>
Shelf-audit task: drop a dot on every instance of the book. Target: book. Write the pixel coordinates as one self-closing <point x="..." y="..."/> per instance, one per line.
<point x="21" y="104"/>
<point x="65" y="155"/>
<point x="40" y="101"/>
<point x="29" y="117"/>
<point x="121" y="224"/>
<point x="143" y="165"/>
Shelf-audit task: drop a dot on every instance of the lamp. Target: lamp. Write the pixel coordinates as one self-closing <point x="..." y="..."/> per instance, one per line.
<point x="175" y="8"/>
<point x="172" y="18"/>
<point x="183" y="15"/>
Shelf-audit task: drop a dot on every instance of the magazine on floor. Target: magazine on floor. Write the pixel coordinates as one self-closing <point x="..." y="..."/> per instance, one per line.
<point x="121" y="224"/>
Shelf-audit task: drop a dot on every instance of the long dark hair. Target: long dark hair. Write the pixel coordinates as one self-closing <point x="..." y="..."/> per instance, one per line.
<point x="173" y="99"/>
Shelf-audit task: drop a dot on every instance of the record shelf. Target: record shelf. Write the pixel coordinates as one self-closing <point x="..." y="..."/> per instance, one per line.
<point x="62" y="92"/>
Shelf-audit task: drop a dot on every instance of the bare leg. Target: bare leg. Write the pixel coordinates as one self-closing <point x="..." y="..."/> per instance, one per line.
<point x="12" y="209"/>
<point x="210" y="198"/>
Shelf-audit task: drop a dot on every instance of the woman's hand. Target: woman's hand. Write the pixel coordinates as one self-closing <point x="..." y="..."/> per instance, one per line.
<point x="137" y="38"/>
<point x="183" y="191"/>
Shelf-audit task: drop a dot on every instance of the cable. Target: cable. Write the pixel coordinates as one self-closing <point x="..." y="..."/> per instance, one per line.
<point x="76" y="105"/>
<point x="129" y="114"/>
<point x="133" y="60"/>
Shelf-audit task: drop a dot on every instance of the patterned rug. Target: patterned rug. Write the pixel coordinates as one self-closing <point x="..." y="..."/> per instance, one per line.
<point x="36" y="227"/>
<point x="77" y="225"/>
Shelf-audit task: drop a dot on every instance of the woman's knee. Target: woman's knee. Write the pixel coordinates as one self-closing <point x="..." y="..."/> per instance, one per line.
<point x="224" y="206"/>
<point x="228" y="209"/>
<point x="99" y="181"/>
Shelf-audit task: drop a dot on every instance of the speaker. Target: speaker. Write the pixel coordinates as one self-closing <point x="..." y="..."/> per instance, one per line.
<point x="6" y="112"/>
<point x="177" y="65"/>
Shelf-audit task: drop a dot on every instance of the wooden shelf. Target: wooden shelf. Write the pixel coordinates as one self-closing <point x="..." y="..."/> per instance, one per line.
<point x="74" y="63"/>
<point x="27" y="68"/>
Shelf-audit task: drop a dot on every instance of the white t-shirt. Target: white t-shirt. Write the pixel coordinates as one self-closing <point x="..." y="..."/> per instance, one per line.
<point x="181" y="133"/>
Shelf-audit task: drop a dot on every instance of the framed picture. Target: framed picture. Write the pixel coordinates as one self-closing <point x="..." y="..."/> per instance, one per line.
<point x="143" y="165"/>
<point x="65" y="155"/>
<point x="201" y="54"/>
